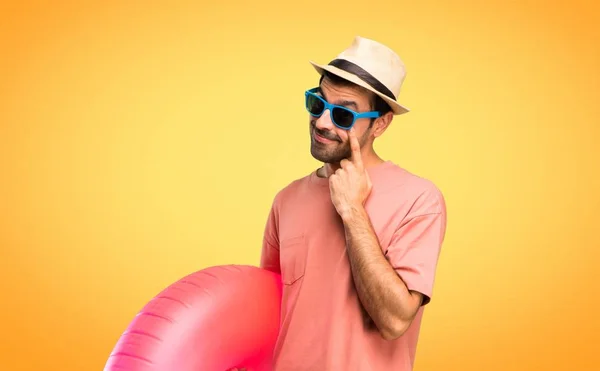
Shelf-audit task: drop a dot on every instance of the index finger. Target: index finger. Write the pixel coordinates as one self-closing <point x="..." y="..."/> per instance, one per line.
<point x="355" y="147"/>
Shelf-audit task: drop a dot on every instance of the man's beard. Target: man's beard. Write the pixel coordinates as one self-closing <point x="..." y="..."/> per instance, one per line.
<point x="330" y="153"/>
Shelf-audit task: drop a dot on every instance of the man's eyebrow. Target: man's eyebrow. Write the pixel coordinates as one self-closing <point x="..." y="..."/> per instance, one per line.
<point x="348" y="103"/>
<point x="345" y="103"/>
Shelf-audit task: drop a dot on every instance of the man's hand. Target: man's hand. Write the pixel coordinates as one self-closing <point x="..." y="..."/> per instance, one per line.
<point x="350" y="185"/>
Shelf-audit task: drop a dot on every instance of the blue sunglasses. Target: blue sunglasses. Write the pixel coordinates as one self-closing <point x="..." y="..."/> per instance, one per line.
<point x="341" y="116"/>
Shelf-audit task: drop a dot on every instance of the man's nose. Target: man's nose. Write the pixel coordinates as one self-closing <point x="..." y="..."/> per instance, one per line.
<point x="324" y="121"/>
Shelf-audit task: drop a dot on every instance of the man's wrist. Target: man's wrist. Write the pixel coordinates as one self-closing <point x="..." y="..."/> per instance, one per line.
<point x="352" y="213"/>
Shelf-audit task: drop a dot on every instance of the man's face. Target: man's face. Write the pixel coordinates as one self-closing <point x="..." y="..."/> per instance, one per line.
<point x="330" y="144"/>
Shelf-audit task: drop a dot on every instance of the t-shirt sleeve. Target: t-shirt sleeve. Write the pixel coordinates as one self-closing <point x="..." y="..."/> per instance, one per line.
<point x="269" y="258"/>
<point x="415" y="246"/>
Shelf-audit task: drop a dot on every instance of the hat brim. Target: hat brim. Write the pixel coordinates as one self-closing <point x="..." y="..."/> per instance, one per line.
<point x="396" y="107"/>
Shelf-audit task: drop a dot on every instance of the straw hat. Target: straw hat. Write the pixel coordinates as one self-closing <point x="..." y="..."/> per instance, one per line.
<point x="373" y="66"/>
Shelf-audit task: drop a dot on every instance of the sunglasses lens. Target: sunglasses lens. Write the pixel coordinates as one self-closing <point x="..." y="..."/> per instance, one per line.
<point x="343" y="117"/>
<point x="314" y="105"/>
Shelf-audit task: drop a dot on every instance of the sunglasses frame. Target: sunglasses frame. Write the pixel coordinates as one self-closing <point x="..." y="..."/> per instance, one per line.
<point x="330" y="107"/>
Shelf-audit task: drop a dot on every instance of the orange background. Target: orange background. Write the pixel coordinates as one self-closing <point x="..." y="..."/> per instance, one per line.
<point x="142" y="141"/>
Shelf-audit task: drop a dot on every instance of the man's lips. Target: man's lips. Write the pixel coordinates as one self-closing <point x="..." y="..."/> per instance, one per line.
<point x="323" y="139"/>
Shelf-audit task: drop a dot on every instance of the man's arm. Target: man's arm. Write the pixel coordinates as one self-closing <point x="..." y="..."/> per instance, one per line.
<point x="384" y="295"/>
<point x="393" y="286"/>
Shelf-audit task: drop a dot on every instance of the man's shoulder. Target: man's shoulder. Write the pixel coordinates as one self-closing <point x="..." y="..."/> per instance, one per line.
<point x="422" y="192"/>
<point x="293" y="188"/>
<point x="399" y="177"/>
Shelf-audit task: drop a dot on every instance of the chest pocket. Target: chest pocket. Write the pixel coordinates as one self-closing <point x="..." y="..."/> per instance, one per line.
<point x="293" y="253"/>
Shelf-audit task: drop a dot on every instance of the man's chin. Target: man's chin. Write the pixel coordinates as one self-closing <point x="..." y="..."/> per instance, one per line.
<point x="323" y="157"/>
<point x="317" y="155"/>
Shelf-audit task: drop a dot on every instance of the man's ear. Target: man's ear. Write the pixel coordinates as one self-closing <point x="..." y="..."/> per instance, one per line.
<point x="382" y="123"/>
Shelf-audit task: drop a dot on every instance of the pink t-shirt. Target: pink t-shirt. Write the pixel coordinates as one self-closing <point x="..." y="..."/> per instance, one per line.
<point x="323" y="326"/>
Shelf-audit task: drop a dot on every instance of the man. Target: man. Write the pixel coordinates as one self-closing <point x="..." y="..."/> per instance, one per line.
<point x="356" y="241"/>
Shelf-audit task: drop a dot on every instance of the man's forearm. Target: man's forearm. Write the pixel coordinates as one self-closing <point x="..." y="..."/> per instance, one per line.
<point x="382" y="292"/>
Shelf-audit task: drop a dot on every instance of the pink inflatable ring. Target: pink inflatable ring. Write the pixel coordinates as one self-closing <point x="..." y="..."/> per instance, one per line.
<point x="216" y="319"/>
